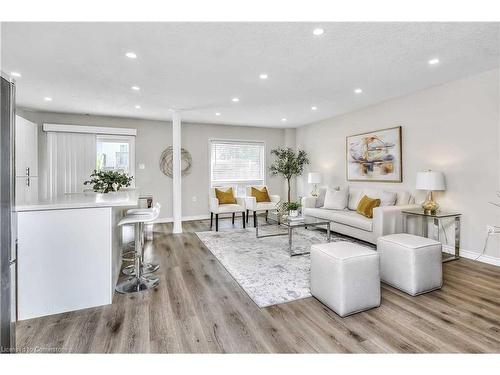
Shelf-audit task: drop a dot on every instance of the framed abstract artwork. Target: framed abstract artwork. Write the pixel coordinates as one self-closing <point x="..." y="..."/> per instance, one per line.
<point x="375" y="156"/>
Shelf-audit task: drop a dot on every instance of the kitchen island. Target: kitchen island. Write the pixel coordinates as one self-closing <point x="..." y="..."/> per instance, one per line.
<point x="69" y="251"/>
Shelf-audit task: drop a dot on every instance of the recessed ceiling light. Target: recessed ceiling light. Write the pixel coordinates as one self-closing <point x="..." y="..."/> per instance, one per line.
<point x="313" y="108"/>
<point x="217" y="113"/>
<point x="318" y="31"/>
<point x="135" y="88"/>
<point x="358" y="91"/>
<point x="236" y="100"/>
<point x="131" y="55"/>
<point x="137" y="106"/>
<point x="433" y="61"/>
<point x="263" y="76"/>
<point x="283" y="119"/>
<point x="15" y="74"/>
<point x="47" y="99"/>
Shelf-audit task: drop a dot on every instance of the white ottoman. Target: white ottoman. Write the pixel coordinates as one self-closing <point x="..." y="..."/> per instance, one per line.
<point x="410" y="263"/>
<point x="345" y="277"/>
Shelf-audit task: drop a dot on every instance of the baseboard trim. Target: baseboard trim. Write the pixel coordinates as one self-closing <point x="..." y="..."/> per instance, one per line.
<point x="473" y="255"/>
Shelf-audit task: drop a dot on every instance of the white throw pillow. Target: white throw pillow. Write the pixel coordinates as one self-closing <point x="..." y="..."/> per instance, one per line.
<point x="320" y="200"/>
<point x="388" y="198"/>
<point x="355" y="196"/>
<point x="403" y="198"/>
<point x="335" y="199"/>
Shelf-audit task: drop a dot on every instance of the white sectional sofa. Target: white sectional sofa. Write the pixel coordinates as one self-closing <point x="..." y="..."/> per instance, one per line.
<point x="387" y="219"/>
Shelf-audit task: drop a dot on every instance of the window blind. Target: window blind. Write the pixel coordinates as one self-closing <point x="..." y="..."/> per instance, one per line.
<point x="237" y="162"/>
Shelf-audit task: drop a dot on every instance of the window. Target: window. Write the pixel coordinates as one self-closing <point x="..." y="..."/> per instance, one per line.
<point x="237" y="163"/>
<point x="116" y="153"/>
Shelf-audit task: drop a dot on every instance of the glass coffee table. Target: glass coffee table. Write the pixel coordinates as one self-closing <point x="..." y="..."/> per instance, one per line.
<point x="289" y="224"/>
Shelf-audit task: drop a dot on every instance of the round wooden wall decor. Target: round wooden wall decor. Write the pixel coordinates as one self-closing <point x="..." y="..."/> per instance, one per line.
<point x="166" y="161"/>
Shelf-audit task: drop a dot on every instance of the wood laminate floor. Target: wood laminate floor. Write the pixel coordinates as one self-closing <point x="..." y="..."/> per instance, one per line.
<point x="199" y="308"/>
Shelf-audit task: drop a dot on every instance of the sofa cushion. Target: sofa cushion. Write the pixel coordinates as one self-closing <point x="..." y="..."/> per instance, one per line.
<point x="320" y="213"/>
<point x="320" y="199"/>
<point x="335" y="199"/>
<point x="388" y="198"/>
<point x="403" y="198"/>
<point x="366" y="206"/>
<point x="353" y="219"/>
<point x="355" y="195"/>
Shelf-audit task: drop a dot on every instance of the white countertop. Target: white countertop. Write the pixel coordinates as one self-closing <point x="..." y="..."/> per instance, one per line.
<point x="125" y="198"/>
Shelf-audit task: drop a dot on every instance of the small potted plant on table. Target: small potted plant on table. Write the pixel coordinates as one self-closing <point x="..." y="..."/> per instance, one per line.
<point x="293" y="209"/>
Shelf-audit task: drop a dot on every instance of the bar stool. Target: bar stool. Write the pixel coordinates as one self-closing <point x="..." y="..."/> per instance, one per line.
<point x="126" y="256"/>
<point x="139" y="281"/>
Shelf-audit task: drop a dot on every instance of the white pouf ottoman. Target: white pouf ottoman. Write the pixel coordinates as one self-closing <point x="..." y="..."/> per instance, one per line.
<point x="345" y="276"/>
<point x="410" y="263"/>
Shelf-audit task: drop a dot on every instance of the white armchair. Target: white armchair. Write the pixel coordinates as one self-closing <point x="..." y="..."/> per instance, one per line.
<point x="216" y="208"/>
<point x="254" y="206"/>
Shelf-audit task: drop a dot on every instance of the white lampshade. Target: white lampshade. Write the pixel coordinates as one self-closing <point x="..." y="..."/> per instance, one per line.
<point x="314" y="178"/>
<point x="430" y="180"/>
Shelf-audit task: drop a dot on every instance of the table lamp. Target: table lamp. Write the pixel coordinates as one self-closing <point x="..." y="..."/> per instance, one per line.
<point x="315" y="179"/>
<point x="430" y="181"/>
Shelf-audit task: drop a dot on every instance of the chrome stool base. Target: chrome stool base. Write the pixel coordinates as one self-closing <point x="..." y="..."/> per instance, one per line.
<point x="137" y="284"/>
<point x="145" y="268"/>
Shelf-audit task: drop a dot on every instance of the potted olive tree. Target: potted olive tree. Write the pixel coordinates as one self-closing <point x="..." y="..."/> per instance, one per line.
<point x="288" y="164"/>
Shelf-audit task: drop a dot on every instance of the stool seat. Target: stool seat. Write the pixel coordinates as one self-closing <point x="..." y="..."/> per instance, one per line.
<point x="143" y="211"/>
<point x="135" y="219"/>
<point x="345" y="276"/>
<point x="410" y="263"/>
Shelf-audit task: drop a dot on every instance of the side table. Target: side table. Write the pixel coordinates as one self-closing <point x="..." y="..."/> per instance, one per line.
<point x="436" y="218"/>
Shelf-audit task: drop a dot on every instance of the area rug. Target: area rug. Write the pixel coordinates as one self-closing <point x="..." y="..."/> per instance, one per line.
<point x="263" y="266"/>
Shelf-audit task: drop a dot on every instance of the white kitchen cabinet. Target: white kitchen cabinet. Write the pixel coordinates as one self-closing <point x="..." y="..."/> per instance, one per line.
<point x="26" y="140"/>
<point x="26" y="189"/>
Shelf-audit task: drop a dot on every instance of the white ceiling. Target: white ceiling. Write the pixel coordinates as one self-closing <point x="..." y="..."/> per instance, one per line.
<point x="199" y="67"/>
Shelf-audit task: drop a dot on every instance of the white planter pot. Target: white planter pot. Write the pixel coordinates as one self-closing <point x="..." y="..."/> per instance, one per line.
<point x="293" y="213"/>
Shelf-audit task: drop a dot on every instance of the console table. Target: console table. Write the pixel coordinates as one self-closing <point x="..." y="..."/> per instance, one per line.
<point x="436" y="219"/>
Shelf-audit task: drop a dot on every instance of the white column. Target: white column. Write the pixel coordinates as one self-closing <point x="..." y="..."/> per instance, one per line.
<point x="176" y="183"/>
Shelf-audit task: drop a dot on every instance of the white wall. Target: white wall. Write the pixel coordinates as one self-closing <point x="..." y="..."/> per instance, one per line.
<point x="452" y="128"/>
<point x="153" y="137"/>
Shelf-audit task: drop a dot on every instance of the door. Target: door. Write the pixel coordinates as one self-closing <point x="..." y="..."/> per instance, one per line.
<point x="7" y="231"/>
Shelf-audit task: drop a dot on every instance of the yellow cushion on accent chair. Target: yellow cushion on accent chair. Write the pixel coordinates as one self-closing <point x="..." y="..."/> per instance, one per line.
<point x="261" y="195"/>
<point x="225" y="197"/>
<point x="366" y="206"/>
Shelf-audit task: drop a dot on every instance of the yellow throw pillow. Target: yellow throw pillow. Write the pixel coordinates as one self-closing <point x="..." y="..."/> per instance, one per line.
<point x="366" y="206"/>
<point x="225" y="197"/>
<point x="261" y="195"/>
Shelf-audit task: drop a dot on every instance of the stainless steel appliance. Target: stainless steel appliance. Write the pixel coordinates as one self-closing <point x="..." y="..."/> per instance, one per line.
<point x="7" y="221"/>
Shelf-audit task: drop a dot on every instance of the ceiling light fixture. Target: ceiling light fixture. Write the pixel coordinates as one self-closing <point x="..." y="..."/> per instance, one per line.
<point x="131" y="55"/>
<point x="137" y="106"/>
<point x="318" y="31"/>
<point x="135" y="88"/>
<point x="235" y="100"/>
<point x="217" y="113"/>
<point x="283" y="119"/>
<point x="47" y="99"/>
<point x="313" y="108"/>
<point x="15" y="74"/>
<point x="263" y="76"/>
<point x="358" y="91"/>
<point x="433" y="61"/>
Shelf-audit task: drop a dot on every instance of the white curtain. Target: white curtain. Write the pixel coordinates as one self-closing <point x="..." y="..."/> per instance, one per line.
<point x="69" y="160"/>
